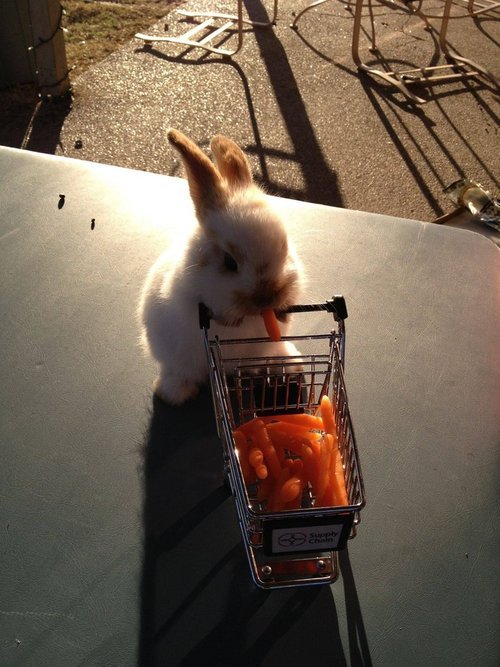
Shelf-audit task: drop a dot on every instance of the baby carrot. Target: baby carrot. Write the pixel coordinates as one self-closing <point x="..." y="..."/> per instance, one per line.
<point x="255" y="457"/>
<point x="289" y="427"/>
<point x="336" y="493"/>
<point x="314" y="442"/>
<point x="261" y="471"/>
<point x="340" y="486"/>
<point x="303" y="420"/>
<point x="290" y="489"/>
<point x="309" y="461"/>
<point x="298" y="473"/>
<point x="265" y="444"/>
<point x="271" y="324"/>
<point x="276" y="503"/>
<point x="249" y="428"/>
<point x="323" y="464"/>
<point x="295" y="466"/>
<point x="287" y="442"/>
<point x="281" y="441"/>
<point x="327" y="416"/>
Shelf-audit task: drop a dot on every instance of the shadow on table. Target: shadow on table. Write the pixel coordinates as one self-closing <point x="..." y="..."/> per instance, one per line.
<point x="198" y="604"/>
<point x="359" y="651"/>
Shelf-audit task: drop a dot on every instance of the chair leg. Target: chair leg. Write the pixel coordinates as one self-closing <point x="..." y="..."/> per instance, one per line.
<point x="452" y="55"/>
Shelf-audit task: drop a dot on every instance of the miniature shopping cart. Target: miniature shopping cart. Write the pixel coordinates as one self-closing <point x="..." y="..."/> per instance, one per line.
<point x="290" y="547"/>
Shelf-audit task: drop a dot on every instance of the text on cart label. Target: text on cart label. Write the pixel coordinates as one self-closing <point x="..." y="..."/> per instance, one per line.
<point x="308" y="538"/>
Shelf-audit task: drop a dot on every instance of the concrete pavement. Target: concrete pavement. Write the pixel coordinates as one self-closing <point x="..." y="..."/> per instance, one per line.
<point x="314" y="128"/>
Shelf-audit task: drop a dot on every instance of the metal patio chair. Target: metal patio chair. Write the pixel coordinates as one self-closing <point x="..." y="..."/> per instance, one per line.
<point x="457" y="67"/>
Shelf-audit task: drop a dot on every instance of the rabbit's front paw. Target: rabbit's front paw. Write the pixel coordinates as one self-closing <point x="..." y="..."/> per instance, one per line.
<point x="174" y="390"/>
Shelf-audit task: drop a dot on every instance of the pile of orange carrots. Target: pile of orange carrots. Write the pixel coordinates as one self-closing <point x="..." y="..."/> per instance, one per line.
<point x="286" y="453"/>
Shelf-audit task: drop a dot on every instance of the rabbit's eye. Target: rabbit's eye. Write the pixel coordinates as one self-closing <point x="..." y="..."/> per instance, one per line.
<point x="230" y="263"/>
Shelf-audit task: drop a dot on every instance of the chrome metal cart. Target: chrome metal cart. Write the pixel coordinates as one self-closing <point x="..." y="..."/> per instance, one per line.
<point x="291" y="547"/>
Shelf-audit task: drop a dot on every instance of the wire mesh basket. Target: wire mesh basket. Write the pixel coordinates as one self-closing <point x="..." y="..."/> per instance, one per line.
<point x="291" y="544"/>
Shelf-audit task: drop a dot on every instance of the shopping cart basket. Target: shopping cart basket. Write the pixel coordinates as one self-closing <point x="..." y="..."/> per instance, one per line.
<point x="290" y="547"/>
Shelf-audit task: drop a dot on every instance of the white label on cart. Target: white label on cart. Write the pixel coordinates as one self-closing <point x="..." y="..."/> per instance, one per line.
<point x="308" y="538"/>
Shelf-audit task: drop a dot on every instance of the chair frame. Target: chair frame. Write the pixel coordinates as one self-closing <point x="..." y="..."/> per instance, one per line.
<point x="456" y="69"/>
<point x="230" y="20"/>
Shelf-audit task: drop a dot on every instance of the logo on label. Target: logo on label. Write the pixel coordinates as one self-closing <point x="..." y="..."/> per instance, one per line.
<point x="292" y="539"/>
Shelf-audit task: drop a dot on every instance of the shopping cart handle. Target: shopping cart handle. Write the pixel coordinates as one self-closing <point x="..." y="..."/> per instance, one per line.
<point x="335" y="305"/>
<point x="339" y="307"/>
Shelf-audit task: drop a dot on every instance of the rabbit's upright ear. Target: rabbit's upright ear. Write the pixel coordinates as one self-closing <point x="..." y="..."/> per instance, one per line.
<point x="231" y="162"/>
<point x="205" y="182"/>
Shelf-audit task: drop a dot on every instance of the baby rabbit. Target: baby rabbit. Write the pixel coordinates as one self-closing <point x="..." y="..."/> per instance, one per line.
<point x="238" y="261"/>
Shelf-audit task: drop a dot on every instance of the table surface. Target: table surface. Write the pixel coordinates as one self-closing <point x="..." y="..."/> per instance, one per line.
<point x="118" y="550"/>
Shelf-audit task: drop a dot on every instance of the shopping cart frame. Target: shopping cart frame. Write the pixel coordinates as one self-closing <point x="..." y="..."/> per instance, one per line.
<point x="241" y="389"/>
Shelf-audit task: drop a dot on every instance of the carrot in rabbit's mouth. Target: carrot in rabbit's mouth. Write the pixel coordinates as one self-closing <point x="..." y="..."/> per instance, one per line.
<point x="271" y="324"/>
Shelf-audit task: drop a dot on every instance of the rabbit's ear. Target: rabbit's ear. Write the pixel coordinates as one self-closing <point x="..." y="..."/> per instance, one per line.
<point x="205" y="183"/>
<point x="231" y="162"/>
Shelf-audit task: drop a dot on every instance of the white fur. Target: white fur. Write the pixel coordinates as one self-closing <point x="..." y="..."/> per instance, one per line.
<point x="176" y="284"/>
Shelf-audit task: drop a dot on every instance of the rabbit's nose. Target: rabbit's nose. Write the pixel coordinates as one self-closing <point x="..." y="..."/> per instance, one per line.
<point x="263" y="301"/>
<point x="266" y="294"/>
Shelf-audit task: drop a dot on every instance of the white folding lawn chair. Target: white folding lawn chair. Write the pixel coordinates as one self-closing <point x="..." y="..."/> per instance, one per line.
<point x="213" y="26"/>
